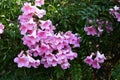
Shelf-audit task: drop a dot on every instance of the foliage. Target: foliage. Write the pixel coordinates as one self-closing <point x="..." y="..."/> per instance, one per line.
<point x="67" y="15"/>
<point x="116" y="72"/>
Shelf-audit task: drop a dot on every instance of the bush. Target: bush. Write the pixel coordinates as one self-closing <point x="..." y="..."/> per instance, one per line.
<point x="66" y="15"/>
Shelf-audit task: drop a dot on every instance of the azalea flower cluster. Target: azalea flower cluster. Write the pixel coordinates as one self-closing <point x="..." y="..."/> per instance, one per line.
<point x="115" y="12"/>
<point x="98" y="28"/>
<point x="95" y="62"/>
<point x="26" y="60"/>
<point x="52" y="48"/>
<point x="1" y="28"/>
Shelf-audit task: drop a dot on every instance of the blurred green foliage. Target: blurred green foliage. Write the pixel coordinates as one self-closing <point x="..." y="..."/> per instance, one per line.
<point x="67" y="15"/>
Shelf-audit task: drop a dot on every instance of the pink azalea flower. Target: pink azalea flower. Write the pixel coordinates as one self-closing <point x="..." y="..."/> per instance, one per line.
<point x="89" y="59"/>
<point x="33" y="33"/>
<point x="31" y="23"/>
<point x="49" y="56"/>
<point x="51" y="59"/>
<point x="51" y="28"/>
<point x="36" y="50"/>
<point x="115" y="12"/>
<point x="71" y="55"/>
<point x="41" y="34"/>
<point x="58" y="41"/>
<point x="28" y="9"/>
<point x="100" y="30"/>
<point x="61" y="54"/>
<point x="23" y="29"/>
<point x="116" y="8"/>
<point x="117" y="15"/>
<point x="1" y="28"/>
<point x="61" y="57"/>
<point x="90" y="30"/>
<point x="100" y="57"/>
<point x="54" y="62"/>
<point x="68" y="34"/>
<point x="45" y="24"/>
<point x="43" y="49"/>
<point x="59" y="38"/>
<point x="25" y="18"/>
<point x="112" y="11"/>
<point x="32" y="62"/>
<point x="40" y="13"/>
<point x="39" y="2"/>
<point x="29" y="40"/>
<point x="72" y="39"/>
<point x="65" y="65"/>
<point x="44" y="61"/>
<point x="76" y="42"/>
<point x="59" y="46"/>
<point x="22" y="60"/>
<point x="95" y="64"/>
